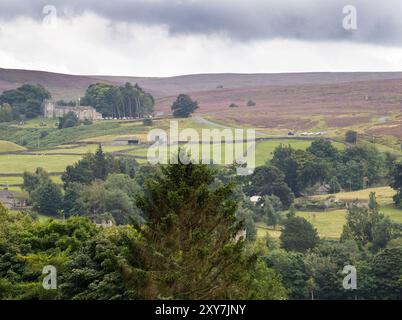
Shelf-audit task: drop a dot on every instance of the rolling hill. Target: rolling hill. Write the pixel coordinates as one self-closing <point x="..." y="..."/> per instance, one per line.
<point x="70" y="86"/>
<point x="367" y="101"/>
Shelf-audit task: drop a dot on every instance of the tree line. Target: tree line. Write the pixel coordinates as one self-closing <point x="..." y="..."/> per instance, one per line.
<point x="119" y="101"/>
<point x="23" y="103"/>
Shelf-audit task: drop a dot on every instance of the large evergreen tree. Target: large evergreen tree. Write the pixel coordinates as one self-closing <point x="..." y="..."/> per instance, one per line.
<point x="100" y="164"/>
<point x="193" y="231"/>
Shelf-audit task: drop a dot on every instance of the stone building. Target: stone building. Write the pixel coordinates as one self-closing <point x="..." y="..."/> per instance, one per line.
<point x="10" y="200"/>
<point x="52" y="110"/>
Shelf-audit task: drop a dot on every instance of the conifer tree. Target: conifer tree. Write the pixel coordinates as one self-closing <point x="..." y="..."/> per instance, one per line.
<point x="193" y="235"/>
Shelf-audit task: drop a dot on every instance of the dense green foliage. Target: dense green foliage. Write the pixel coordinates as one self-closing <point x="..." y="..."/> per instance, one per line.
<point x="6" y="113"/>
<point x="97" y="166"/>
<point x="69" y="120"/>
<point x="352" y="169"/>
<point x="367" y="225"/>
<point x="396" y="182"/>
<point x="26" y="246"/>
<point x="269" y="180"/>
<point x="189" y="246"/>
<point x="184" y="106"/>
<point x="45" y="196"/>
<point x="26" y="101"/>
<point x="193" y="228"/>
<point x="188" y="231"/>
<point x="298" y="235"/>
<point x="119" y="101"/>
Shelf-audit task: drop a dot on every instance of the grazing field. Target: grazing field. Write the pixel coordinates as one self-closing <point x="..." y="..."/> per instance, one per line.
<point x="18" y="180"/>
<point x="263" y="231"/>
<point x="330" y="223"/>
<point x="263" y="152"/>
<point x="33" y="137"/>
<point x="57" y="157"/>
<point x="7" y="146"/>
<point x="38" y="123"/>
<point x="20" y="163"/>
<point x="384" y="195"/>
<point x="83" y="149"/>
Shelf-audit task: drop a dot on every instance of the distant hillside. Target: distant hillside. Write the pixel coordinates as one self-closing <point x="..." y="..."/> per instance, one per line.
<point x="207" y="82"/>
<point x="60" y="85"/>
<point x="372" y="104"/>
<point x="72" y="86"/>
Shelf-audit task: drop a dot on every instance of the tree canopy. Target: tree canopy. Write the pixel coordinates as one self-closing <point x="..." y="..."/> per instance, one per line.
<point x="298" y="235"/>
<point x="119" y="101"/>
<point x="184" y="106"/>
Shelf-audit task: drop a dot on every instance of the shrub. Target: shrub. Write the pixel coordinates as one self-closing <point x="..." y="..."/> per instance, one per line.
<point x="251" y="103"/>
<point x="44" y="134"/>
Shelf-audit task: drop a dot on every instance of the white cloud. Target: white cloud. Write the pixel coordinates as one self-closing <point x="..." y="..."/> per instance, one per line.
<point x="90" y="44"/>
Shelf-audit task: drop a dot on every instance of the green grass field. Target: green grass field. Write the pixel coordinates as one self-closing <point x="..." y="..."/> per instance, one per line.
<point x="7" y="146"/>
<point x="18" y="180"/>
<point x="37" y="123"/>
<point x="263" y="231"/>
<point x="330" y="223"/>
<point x="83" y="149"/>
<point x="263" y="152"/>
<point x="31" y="135"/>
<point x="20" y="163"/>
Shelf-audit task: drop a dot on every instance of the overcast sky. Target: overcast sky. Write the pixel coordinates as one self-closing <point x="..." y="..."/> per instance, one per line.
<point x="172" y="37"/>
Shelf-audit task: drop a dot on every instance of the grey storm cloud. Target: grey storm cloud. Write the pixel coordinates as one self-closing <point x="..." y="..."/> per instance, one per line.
<point x="378" y="22"/>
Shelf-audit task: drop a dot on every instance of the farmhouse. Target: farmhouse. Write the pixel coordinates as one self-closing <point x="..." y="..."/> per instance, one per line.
<point x="52" y="110"/>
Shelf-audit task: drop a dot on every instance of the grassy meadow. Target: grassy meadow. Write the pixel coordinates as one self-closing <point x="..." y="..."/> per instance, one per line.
<point x="59" y="148"/>
<point x="330" y="223"/>
<point x="7" y="146"/>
